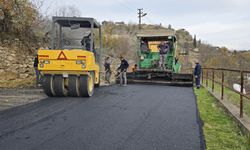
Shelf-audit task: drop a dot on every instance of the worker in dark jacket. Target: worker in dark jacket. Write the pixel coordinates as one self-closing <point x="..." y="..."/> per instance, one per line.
<point x="86" y="42"/>
<point x="163" y="50"/>
<point x="197" y="74"/>
<point x="123" y="71"/>
<point x="36" y="70"/>
<point x="144" y="47"/>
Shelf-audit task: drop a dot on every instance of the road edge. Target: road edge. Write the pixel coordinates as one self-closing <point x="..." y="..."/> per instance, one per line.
<point x="200" y="123"/>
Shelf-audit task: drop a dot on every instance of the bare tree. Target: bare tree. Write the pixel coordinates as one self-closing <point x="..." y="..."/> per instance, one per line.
<point x="68" y="11"/>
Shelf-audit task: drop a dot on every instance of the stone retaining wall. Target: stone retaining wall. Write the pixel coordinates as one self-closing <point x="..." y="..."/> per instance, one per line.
<point x="16" y="62"/>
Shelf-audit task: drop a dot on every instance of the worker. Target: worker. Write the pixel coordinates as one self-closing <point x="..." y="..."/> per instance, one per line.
<point x="36" y="70"/>
<point x="107" y="66"/>
<point x="144" y="47"/>
<point x="86" y="40"/>
<point x="134" y="68"/>
<point x="197" y="74"/>
<point x="163" y="49"/>
<point x="123" y="71"/>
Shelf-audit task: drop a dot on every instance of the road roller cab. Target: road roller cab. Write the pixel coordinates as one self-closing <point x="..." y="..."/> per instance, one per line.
<point x="70" y="67"/>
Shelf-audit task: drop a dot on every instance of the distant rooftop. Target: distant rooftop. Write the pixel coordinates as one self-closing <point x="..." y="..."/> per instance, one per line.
<point x="156" y="33"/>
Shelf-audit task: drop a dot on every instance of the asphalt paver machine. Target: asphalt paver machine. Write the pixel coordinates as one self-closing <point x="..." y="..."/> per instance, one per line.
<point x="148" y="70"/>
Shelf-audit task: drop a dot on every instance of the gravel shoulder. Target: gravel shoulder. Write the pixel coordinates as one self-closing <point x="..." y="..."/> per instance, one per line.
<point x="10" y="98"/>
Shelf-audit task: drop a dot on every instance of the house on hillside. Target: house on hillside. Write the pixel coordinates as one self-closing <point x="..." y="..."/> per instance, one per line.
<point x="119" y="23"/>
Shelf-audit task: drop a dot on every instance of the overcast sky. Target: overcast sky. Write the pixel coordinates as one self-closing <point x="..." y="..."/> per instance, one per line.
<point x="218" y="22"/>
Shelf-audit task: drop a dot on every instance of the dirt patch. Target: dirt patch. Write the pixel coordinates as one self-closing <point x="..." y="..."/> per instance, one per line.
<point x="16" y="97"/>
<point x="11" y="80"/>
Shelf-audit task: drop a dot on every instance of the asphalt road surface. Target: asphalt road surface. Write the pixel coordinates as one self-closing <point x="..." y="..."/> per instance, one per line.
<point x="136" y="117"/>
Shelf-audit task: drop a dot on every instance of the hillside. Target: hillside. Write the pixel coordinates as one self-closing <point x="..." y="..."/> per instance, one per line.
<point x="207" y="54"/>
<point x="119" y="39"/>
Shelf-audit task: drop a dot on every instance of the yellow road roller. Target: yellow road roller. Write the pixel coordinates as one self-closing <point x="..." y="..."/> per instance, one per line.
<point x="71" y="66"/>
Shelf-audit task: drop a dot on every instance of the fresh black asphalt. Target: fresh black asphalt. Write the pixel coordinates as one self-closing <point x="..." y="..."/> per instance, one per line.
<point x="136" y="117"/>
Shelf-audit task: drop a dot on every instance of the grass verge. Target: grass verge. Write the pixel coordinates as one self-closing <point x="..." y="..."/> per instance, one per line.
<point x="220" y="131"/>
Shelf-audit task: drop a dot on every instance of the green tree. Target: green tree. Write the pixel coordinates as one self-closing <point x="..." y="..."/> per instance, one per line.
<point x="17" y="20"/>
<point x="195" y="42"/>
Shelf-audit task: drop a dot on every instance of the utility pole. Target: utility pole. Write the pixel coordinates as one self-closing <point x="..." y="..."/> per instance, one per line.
<point x="140" y="15"/>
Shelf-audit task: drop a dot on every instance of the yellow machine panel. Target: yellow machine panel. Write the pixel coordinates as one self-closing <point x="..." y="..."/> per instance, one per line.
<point x="153" y="46"/>
<point x="67" y="61"/>
<point x="71" y="60"/>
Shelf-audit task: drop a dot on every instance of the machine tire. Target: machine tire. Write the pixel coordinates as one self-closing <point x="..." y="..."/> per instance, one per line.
<point x="73" y="86"/>
<point x="86" y="85"/>
<point x="47" y="85"/>
<point x="59" y="86"/>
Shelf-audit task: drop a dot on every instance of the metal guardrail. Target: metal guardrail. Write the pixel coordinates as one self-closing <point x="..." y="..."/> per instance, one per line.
<point x="205" y="78"/>
<point x="222" y="71"/>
